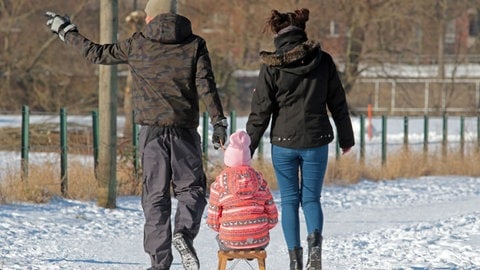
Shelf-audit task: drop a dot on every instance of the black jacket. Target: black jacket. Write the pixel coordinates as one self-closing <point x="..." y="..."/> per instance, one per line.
<point x="296" y="84"/>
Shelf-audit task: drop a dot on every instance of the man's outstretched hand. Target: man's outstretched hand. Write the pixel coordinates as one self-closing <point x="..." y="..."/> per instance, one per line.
<point x="59" y="25"/>
<point x="219" y="134"/>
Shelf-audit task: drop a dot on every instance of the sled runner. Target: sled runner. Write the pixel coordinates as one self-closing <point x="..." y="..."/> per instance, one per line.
<point x="224" y="256"/>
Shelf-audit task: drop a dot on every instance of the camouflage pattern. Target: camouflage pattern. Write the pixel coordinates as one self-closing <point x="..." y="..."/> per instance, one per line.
<point x="170" y="67"/>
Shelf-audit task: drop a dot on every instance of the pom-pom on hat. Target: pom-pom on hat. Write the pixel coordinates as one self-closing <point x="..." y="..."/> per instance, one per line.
<point x="238" y="150"/>
<point x="156" y="7"/>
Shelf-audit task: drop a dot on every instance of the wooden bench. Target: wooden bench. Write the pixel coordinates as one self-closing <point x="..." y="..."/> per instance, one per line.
<point x="224" y="256"/>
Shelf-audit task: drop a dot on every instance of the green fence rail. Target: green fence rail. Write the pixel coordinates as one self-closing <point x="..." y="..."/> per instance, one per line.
<point x="63" y="152"/>
<point x="25" y="144"/>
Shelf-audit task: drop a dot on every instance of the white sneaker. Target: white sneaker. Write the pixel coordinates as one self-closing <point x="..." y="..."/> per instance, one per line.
<point x="187" y="252"/>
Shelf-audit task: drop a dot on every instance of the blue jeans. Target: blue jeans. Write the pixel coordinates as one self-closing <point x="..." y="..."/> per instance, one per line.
<point x="300" y="174"/>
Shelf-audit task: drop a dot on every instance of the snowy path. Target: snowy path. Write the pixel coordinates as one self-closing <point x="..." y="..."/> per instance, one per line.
<point x="425" y="223"/>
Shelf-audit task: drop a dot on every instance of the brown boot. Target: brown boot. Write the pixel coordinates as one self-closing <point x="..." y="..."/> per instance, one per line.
<point x="296" y="258"/>
<point x="314" y="241"/>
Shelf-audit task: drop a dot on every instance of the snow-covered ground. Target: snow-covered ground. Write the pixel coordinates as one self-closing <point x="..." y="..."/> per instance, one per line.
<point x="425" y="223"/>
<point x="419" y="224"/>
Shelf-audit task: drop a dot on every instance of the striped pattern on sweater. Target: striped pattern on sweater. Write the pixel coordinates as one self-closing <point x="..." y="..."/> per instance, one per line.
<point x="241" y="208"/>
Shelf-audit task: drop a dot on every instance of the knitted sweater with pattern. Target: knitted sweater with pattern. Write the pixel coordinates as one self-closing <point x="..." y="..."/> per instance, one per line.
<point x="241" y="208"/>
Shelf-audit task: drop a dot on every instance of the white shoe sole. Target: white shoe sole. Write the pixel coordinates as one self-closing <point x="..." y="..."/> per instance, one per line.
<point x="189" y="260"/>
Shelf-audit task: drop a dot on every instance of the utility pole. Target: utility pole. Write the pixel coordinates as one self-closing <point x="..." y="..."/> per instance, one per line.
<point x="107" y="154"/>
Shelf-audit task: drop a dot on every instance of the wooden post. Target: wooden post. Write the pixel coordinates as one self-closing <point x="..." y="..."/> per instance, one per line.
<point x="107" y="167"/>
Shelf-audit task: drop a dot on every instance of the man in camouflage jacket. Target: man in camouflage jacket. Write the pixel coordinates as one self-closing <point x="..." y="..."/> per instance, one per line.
<point x="171" y="71"/>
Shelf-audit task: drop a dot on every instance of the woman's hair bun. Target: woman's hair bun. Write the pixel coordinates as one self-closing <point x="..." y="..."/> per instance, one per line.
<point x="277" y="20"/>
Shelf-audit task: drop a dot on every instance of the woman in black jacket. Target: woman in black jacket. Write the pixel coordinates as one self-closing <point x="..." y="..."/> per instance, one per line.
<point x="296" y="85"/>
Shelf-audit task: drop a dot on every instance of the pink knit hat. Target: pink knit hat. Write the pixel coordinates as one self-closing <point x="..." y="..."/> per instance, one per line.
<point x="238" y="150"/>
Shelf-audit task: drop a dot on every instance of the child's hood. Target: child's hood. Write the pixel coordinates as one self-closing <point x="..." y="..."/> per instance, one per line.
<point x="245" y="182"/>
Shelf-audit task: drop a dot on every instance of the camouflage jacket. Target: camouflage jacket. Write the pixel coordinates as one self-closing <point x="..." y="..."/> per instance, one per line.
<point x="170" y="67"/>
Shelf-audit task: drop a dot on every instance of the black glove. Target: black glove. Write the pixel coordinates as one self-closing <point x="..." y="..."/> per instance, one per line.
<point x="219" y="134"/>
<point x="59" y="25"/>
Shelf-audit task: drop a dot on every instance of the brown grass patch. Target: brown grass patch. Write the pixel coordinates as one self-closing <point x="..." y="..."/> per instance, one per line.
<point x="403" y="164"/>
<point x="39" y="187"/>
<point x="44" y="182"/>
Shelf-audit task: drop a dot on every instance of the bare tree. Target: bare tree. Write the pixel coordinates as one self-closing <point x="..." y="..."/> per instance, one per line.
<point x="34" y="75"/>
<point x="38" y="70"/>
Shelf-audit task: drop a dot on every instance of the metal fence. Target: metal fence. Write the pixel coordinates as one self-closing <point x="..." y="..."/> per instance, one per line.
<point x="416" y="96"/>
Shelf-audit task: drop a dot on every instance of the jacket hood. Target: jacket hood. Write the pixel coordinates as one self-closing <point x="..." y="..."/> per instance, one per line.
<point x="168" y="28"/>
<point x="294" y="53"/>
<point x="246" y="182"/>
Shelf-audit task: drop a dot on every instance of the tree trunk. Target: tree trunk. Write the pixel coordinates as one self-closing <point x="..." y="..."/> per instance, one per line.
<point x="354" y="51"/>
<point x="441" y="14"/>
<point x="106" y="169"/>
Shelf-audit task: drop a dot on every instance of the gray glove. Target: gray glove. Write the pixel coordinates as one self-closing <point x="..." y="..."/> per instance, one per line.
<point x="60" y="25"/>
<point x="219" y="134"/>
